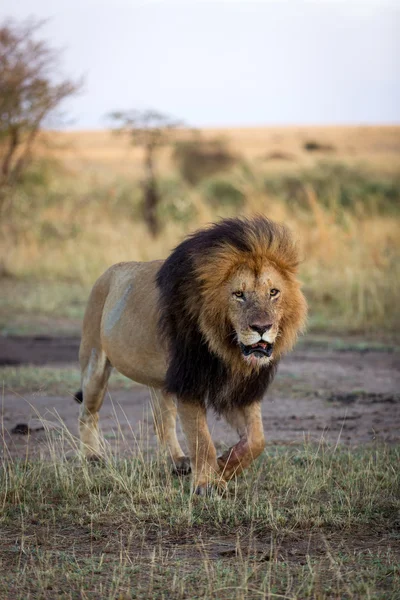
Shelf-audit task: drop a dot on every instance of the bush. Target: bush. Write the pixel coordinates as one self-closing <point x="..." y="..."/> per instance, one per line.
<point x="176" y="204"/>
<point x="197" y="158"/>
<point x="222" y="193"/>
<point x="338" y="186"/>
<point x="314" y="146"/>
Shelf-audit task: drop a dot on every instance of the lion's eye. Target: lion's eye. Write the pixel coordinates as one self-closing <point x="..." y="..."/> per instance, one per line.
<point x="274" y="292"/>
<point x="239" y="294"/>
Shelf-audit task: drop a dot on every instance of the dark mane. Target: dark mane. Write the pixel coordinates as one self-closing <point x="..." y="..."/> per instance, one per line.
<point x="195" y="372"/>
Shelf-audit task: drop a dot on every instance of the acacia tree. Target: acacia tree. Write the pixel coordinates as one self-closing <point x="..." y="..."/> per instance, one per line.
<point x="150" y="130"/>
<point x="30" y="93"/>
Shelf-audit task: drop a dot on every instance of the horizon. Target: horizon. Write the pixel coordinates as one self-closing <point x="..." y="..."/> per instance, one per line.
<point x="101" y="129"/>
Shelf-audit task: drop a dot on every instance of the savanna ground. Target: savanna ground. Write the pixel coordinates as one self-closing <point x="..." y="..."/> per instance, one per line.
<point x="318" y="515"/>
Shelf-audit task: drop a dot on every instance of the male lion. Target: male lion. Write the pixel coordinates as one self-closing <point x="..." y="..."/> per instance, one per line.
<point x="208" y="327"/>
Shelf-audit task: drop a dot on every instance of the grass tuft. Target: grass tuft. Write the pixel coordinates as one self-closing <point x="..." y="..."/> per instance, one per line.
<point x="305" y="522"/>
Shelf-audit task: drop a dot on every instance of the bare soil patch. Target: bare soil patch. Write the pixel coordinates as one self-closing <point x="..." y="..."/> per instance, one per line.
<point x="346" y="395"/>
<point x="37" y="350"/>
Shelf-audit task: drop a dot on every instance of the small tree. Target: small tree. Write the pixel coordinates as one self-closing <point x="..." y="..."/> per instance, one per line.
<point x="150" y="130"/>
<point x="30" y="92"/>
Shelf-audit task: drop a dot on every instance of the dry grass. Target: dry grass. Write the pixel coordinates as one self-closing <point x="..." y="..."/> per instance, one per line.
<point x="350" y="270"/>
<point x="307" y="522"/>
<point x="303" y="523"/>
<point x="71" y="221"/>
<point x="93" y="151"/>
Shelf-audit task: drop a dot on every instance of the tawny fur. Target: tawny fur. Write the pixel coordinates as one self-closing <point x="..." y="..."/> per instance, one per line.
<point x="147" y="319"/>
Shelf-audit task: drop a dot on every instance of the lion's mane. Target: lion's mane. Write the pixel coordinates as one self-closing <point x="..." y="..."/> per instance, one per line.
<point x="204" y="360"/>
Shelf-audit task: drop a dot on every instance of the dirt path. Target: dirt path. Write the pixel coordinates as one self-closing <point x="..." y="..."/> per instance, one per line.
<point x="347" y="395"/>
<point x="37" y="350"/>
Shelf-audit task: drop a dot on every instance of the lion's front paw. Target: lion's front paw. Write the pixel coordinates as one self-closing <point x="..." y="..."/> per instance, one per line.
<point x="233" y="461"/>
<point x="228" y="469"/>
<point x="181" y="466"/>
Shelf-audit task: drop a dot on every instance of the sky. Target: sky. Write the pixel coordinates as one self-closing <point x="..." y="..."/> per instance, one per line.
<point x="227" y="63"/>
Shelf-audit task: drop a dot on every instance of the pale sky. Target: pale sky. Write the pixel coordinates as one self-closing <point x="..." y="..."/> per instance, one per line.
<point x="228" y="62"/>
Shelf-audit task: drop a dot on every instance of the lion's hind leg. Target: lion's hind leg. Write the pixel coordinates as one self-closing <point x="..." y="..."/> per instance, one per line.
<point x="95" y="374"/>
<point x="164" y="414"/>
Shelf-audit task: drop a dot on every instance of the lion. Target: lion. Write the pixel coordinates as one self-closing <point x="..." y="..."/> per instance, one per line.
<point x="207" y="327"/>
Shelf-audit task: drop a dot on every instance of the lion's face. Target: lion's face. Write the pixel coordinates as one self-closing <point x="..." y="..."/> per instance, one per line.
<point x="255" y="308"/>
<point x="231" y="307"/>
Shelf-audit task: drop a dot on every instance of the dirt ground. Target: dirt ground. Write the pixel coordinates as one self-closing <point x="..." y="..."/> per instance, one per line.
<point x="338" y="393"/>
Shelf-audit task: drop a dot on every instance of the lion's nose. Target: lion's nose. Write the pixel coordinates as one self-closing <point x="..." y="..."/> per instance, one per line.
<point x="260" y="327"/>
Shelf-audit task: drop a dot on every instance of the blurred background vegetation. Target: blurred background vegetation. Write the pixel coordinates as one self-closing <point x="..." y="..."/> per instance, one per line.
<point x="73" y="203"/>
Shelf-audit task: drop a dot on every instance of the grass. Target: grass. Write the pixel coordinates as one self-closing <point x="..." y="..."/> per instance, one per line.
<point x="79" y="212"/>
<point x="64" y="299"/>
<point x="61" y="235"/>
<point x="48" y="307"/>
<point x="307" y="522"/>
<point x="337" y="187"/>
<point x="100" y="153"/>
<point x="349" y="344"/>
<point x="50" y="380"/>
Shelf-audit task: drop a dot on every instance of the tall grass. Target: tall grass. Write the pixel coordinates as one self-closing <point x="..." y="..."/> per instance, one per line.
<point x="73" y="229"/>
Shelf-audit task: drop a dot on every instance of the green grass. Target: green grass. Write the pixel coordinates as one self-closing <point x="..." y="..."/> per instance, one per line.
<point x="50" y="380"/>
<point x="30" y="306"/>
<point x="51" y="307"/>
<point x="387" y="343"/>
<point x="303" y="523"/>
<point x="339" y="186"/>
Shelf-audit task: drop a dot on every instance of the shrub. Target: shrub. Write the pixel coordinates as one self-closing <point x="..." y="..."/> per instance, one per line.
<point x="223" y="193"/>
<point x="338" y="186"/>
<point x="198" y="158"/>
<point x="314" y="146"/>
<point x="176" y="204"/>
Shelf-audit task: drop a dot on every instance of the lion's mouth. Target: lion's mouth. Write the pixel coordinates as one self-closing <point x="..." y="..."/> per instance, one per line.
<point x="260" y="349"/>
